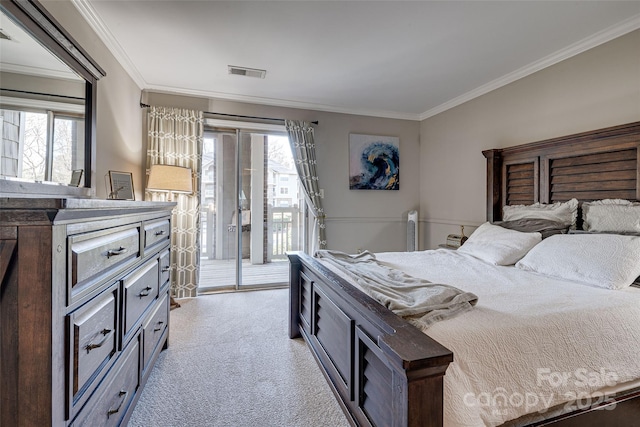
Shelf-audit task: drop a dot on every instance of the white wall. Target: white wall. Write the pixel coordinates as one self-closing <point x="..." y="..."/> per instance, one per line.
<point x="356" y="219"/>
<point x="444" y="175"/>
<point x="596" y="89"/>
<point x="119" y="116"/>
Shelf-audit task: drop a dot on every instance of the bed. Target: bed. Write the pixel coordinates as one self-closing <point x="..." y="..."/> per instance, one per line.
<point x="386" y="372"/>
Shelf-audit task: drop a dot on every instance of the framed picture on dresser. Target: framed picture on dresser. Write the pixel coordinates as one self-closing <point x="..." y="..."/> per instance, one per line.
<point x="121" y="185"/>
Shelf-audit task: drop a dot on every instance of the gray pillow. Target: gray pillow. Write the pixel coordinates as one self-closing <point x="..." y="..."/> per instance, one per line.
<point x="530" y="225"/>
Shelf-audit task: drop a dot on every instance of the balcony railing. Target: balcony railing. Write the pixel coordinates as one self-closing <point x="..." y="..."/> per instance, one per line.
<point x="283" y="234"/>
<point x="284" y="224"/>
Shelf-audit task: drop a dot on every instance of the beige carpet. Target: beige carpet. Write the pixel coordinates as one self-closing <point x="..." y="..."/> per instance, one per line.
<point x="230" y="363"/>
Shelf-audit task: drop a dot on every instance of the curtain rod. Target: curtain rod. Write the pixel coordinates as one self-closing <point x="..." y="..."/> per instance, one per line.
<point x="52" y="95"/>
<point x="237" y="115"/>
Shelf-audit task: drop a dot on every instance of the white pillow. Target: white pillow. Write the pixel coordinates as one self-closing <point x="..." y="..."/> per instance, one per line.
<point x="605" y="260"/>
<point x="499" y="246"/>
<point x="564" y="212"/>
<point x="612" y="215"/>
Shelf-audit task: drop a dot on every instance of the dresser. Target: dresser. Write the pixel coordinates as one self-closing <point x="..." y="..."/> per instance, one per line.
<point x="84" y="307"/>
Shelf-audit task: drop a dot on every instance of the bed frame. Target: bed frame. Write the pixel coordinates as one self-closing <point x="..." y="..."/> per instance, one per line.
<point x="384" y="371"/>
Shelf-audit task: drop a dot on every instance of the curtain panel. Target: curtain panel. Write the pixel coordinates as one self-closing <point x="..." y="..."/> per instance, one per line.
<point x="175" y="138"/>
<point x="304" y="154"/>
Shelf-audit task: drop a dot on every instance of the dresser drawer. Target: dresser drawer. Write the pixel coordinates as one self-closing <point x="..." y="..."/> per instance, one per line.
<point x="153" y="329"/>
<point x="101" y="253"/>
<point x="93" y="340"/>
<point x="112" y="399"/>
<point x="156" y="232"/>
<point x="140" y="290"/>
<point x="165" y="270"/>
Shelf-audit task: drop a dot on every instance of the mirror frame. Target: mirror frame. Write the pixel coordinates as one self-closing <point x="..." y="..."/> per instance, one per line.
<point x="39" y="23"/>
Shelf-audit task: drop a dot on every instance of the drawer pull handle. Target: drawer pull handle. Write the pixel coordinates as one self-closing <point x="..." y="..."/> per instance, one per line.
<point x="159" y="328"/>
<point x="106" y="333"/>
<point x="160" y="233"/>
<point x="115" y="252"/>
<point x="145" y="292"/>
<point x="123" y="395"/>
<point x="165" y="269"/>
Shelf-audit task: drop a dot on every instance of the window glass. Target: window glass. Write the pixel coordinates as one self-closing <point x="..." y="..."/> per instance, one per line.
<point x="34" y="145"/>
<point x="41" y="146"/>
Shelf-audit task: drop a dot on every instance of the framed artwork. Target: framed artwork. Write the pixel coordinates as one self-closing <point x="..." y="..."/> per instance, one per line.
<point x="76" y="177"/>
<point x="121" y="185"/>
<point x="374" y="162"/>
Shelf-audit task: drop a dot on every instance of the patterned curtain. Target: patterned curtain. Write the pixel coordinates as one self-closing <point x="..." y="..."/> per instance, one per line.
<point x="304" y="154"/>
<point x="175" y="138"/>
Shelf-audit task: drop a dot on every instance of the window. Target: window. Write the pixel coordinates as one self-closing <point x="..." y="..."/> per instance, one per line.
<point x="284" y="190"/>
<point x="42" y="146"/>
<point x="67" y="154"/>
<point x="34" y="144"/>
<point x="208" y="176"/>
<point x="284" y="178"/>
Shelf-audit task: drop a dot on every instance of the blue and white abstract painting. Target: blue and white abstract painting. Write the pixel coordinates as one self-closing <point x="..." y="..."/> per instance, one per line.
<point x="374" y="162"/>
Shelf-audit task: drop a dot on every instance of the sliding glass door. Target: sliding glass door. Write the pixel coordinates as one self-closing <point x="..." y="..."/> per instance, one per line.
<point x="251" y="212"/>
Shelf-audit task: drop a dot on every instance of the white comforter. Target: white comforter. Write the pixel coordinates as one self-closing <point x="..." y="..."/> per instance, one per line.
<point x="531" y="342"/>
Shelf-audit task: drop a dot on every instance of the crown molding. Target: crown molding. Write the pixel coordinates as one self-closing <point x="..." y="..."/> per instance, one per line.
<point x="41" y="72"/>
<point x="89" y="14"/>
<point x="282" y="103"/>
<point x="601" y="37"/>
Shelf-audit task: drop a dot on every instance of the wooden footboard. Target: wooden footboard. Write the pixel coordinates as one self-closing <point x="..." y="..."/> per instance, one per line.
<point x="383" y="371"/>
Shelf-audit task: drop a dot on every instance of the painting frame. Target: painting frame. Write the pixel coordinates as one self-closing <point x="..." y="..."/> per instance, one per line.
<point x="121" y="186"/>
<point x="374" y="162"/>
<point x="76" y="177"/>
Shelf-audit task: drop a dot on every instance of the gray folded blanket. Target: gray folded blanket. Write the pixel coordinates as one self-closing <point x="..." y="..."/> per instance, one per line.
<point x="419" y="301"/>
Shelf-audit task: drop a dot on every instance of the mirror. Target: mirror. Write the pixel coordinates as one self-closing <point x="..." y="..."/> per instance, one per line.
<point x="47" y="100"/>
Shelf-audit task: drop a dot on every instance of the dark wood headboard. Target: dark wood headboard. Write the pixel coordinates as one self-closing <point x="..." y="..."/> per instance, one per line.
<point x="600" y="164"/>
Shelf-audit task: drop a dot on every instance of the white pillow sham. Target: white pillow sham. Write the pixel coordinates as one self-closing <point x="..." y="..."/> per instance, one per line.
<point x="499" y="246"/>
<point x="604" y="260"/>
<point x="564" y="212"/>
<point x="611" y="215"/>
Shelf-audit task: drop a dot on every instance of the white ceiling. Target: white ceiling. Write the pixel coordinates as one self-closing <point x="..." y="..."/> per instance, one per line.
<point x="395" y="59"/>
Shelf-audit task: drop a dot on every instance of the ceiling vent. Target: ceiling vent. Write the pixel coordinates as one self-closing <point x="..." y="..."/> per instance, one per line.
<point x="247" y="72"/>
<point x="4" y="36"/>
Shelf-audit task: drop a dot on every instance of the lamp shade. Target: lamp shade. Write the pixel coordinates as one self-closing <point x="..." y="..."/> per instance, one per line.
<point x="175" y="179"/>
